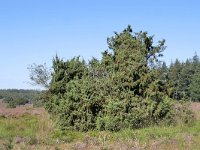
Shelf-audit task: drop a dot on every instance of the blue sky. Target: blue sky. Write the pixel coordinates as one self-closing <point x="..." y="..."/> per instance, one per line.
<point x="33" y="31"/>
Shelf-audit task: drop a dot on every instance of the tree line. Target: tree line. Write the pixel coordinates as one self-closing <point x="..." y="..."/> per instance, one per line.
<point x="183" y="78"/>
<point x="16" y="97"/>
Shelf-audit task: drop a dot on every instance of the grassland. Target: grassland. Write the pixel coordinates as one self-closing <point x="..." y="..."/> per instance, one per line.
<point x="37" y="132"/>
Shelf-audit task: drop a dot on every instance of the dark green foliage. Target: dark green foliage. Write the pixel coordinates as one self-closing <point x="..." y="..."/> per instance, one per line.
<point x="175" y="76"/>
<point x="15" y="97"/>
<point x="19" y="101"/>
<point x="194" y="87"/>
<point x="122" y="90"/>
<point x="184" y="79"/>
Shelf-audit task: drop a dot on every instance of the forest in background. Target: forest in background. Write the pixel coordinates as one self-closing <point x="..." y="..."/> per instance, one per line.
<point x="16" y="97"/>
<point x="183" y="78"/>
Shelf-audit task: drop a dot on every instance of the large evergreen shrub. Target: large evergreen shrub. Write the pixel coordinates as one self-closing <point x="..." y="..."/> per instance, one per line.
<point x="122" y="90"/>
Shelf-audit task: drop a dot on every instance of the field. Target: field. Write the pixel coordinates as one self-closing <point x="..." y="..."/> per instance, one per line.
<point x="28" y="128"/>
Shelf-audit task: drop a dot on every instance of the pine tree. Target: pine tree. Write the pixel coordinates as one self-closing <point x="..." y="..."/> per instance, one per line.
<point x="175" y="78"/>
<point x="194" y="87"/>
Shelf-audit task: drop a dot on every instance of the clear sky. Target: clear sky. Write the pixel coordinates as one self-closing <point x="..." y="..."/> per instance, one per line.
<point x="33" y="31"/>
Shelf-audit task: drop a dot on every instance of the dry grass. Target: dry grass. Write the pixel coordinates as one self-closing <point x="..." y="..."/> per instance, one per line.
<point x="38" y="132"/>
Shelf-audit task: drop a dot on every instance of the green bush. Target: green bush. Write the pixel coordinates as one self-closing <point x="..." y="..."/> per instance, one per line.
<point x="122" y="90"/>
